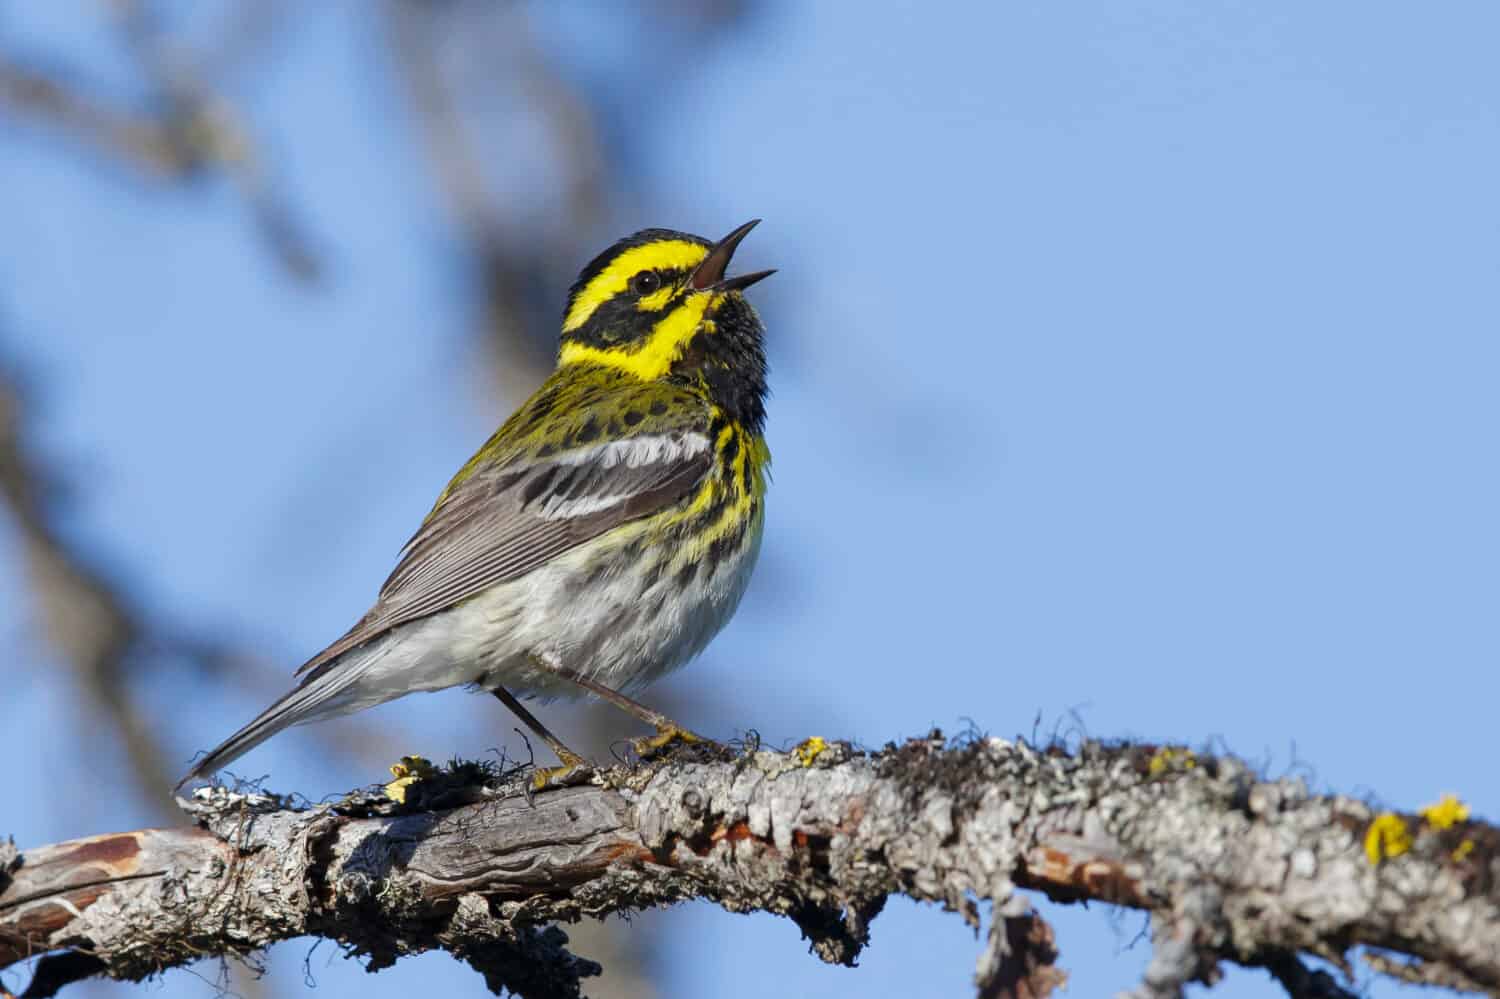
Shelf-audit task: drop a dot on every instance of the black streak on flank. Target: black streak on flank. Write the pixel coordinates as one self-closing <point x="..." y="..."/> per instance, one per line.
<point x="652" y="574"/>
<point x="716" y="427"/>
<point x="726" y="544"/>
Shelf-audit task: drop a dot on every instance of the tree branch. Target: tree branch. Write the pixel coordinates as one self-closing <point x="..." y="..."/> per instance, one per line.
<point x="1231" y="867"/>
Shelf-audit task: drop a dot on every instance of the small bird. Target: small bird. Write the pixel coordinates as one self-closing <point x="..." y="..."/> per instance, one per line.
<point x="602" y="536"/>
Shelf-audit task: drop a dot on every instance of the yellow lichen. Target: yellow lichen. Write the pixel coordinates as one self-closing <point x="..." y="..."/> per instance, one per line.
<point x="1167" y="758"/>
<point x="411" y="770"/>
<point x="1387" y="837"/>
<point x="810" y="749"/>
<point x="1463" y="849"/>
<point x="1447" y="813"/>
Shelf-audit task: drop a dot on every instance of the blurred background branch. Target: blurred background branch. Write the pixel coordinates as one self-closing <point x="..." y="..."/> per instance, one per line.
<point x="518" y="155"/>
<point x="88" y="620"/>
<point x="516" y="257"/>
<point x="180" y="129"/>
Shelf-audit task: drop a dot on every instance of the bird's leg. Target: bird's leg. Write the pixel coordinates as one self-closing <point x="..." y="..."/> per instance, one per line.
<point x="667" y="731"/>
<point x="573" y="765"/>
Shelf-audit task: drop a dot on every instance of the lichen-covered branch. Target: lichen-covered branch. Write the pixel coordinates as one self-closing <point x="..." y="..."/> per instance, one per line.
<point x="1232" y="867"/>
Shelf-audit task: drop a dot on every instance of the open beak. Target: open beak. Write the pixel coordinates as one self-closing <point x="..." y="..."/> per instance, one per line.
<point x="709" y="276"/>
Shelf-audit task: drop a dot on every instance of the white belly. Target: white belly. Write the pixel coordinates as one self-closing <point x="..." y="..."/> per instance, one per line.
<point x="612" y="625"/>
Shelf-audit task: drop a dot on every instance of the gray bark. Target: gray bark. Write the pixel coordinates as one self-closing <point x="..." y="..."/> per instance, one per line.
<point x="1230" y="866"/>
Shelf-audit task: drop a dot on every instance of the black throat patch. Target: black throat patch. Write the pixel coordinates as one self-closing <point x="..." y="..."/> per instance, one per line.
<point x="729" y="362"/>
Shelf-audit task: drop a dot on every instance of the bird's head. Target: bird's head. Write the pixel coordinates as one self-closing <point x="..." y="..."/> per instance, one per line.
<point x="658" y="304"/>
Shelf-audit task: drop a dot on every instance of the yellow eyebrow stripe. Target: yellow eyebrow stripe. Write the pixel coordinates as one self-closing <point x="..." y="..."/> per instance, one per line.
<point x="668" y="254"/>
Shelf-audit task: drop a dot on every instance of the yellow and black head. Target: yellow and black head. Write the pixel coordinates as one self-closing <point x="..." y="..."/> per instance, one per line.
<point x="658" y="306"/>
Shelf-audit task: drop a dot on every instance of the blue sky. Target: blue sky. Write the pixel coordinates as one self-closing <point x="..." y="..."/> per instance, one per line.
<point x="1130" y="360"/>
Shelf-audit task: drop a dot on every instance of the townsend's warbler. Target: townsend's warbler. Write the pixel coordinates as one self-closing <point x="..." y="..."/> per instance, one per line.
<point x="603" y="535"/>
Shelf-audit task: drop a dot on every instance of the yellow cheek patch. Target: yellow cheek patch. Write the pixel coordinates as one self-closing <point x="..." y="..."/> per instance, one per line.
<point x="657" y="300"/>
<point x="654" y="356"/>
<point x="668" y="254"/>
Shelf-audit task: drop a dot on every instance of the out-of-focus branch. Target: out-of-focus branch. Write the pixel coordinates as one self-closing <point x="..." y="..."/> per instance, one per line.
<point x="186" y="129"/>
<point x="212" y="131"/>
<point x="244" y="33"/>
<point x="519" y="257"/>
<point x="87" y="620"/>
<point x="136" y="139"/>
<point x="97" y="630"/>
<point x="1231" y="867"/>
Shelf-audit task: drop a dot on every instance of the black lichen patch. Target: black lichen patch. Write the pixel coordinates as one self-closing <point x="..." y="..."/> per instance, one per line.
<point x="459" y="782"/>
<point x="837" y="935"/>
<point x="10" y="859"/>
<point x="536" y="964"/>
<point x="921" y="766"/>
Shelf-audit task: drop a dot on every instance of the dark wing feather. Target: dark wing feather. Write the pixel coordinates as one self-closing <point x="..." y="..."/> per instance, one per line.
<point x="499" y="524"/>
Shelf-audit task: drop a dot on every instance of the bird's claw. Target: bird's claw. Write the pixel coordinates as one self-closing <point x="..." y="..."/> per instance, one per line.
<point x="648" y="746"/>
<point x="575" y="770"/>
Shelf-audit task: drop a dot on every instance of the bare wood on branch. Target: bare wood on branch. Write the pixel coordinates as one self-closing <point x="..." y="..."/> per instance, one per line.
<point x="1231" y="867"/>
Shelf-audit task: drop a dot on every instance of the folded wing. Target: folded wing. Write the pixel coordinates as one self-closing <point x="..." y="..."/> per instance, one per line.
<point x="501" y="523"/>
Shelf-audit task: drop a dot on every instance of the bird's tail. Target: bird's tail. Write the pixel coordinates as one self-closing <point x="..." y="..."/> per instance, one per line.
<point x="317" y="696"/>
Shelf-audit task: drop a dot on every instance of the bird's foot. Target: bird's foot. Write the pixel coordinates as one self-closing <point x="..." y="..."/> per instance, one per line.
<point x="667" y="733"/>
<point x="574" y="770"/>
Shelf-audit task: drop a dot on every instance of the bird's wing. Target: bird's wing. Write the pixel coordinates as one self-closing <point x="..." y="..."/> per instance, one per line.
<point x="511" y="511"/>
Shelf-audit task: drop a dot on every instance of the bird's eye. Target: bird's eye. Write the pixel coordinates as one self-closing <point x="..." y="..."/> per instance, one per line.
<point x="645" y="282"/>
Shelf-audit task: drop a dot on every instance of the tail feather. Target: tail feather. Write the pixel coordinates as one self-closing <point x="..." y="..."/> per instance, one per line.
<point x="305" y="702"/>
